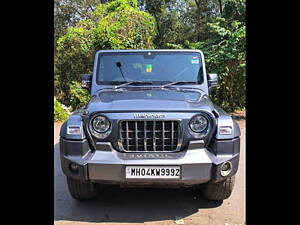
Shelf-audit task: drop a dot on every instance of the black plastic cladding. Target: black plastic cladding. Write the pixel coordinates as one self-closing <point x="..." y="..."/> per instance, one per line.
<point x="114" y="126"/>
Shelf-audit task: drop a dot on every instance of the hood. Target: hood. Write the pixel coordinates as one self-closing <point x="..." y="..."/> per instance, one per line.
<point x="149" y="99"/>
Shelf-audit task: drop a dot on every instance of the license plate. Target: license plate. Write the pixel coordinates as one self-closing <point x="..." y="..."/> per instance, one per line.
<point x="161" y="172"/>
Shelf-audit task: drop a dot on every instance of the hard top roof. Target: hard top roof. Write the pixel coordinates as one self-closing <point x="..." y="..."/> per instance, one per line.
<point x="150" y="50"/>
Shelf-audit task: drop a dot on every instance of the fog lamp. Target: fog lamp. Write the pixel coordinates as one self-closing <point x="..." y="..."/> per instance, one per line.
<point x="226" y="168"/>
<point x="74" y="167"/>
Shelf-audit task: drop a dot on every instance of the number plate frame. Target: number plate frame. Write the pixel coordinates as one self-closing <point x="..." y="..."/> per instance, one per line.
<point x="152" y="172"/>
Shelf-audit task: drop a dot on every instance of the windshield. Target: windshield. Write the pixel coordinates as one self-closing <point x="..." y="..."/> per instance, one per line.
<point x="157" y="67"/>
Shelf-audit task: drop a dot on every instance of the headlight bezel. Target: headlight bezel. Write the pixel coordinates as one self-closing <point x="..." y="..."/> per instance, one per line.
<point x="203" y="133"/>
<point x="98" y="134"/>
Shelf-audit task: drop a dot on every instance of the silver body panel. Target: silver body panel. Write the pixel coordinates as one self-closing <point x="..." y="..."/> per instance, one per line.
<point x="109" y="166"/>
<point x="103" y="161"/>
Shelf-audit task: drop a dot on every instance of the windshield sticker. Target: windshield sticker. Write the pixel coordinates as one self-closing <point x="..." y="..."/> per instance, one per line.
<point x="195" y="61"/>
<point x="148" y="68"/>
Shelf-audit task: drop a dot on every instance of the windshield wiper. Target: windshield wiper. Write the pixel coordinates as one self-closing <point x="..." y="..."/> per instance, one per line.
<point x="178" y="82"/>
<point x="133" y="82"/>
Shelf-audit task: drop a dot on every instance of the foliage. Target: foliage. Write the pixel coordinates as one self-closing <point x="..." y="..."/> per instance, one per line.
<point x="225" y="55"/>
<point x="79" y="97"/>
<point x="180" y="20"/>
<point x="115" y="25"/>
<point x="217" y="27"/>
<point x="60" y="114"/>
<point x="167" y="14"/>
<point x="69" y="12"/>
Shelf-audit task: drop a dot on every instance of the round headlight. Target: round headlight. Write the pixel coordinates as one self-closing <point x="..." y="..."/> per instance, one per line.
<point x="100" y="124"/>
<point x="199" y="123"/>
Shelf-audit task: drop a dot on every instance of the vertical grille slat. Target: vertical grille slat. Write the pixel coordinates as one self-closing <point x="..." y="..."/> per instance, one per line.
<point x="154" y="136"/>
<point x="136" y="136"/>
<point x="163" y="136"/>
<point x="145" y="135"/>
<point x="172" y="135"/>
<point x="127" y="136"/>
<point x="149" y="135"/>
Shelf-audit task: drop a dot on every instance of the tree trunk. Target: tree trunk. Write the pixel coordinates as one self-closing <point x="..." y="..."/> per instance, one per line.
<point x="220" y="6"/>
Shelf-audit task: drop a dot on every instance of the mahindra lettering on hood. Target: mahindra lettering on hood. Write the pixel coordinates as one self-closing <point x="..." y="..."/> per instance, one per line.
<point x="150" y="123"/>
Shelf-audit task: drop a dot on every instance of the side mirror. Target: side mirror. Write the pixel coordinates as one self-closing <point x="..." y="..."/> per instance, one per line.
<point x="86" y="81"/>
<point x="212" y="80"/>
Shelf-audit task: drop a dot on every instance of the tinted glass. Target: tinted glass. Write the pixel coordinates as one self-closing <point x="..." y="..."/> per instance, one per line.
<point x="159" y="67"/>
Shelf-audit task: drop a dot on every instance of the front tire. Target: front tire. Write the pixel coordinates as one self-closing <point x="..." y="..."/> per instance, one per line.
<point x="80" y="190"/>
<point x="219" y="191"/>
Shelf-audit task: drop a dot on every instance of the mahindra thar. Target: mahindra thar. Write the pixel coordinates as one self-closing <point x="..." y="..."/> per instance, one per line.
<point x="150" y="123"/>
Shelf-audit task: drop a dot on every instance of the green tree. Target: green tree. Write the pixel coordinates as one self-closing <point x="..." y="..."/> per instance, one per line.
<point x="60" y="114"/>
<point x="217" y="27"/>
<point x="115" y="25"/>
<point x="225" y="54"/>
<point x="181" y="20"/>
<point x="167" y="17"/>
<point x="68" y="12"/>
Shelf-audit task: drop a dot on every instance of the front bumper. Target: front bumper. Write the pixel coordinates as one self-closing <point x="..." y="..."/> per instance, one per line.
<point x="198" y="164"/>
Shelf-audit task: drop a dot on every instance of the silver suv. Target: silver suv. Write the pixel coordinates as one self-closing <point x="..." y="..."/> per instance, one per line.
<point x="150" y="123"/>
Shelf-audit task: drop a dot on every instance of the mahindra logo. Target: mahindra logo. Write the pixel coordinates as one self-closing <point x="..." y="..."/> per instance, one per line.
<point x="148" y="116"/>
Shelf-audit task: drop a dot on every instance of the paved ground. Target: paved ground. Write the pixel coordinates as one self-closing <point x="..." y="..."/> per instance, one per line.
<point x="148" y="206"/>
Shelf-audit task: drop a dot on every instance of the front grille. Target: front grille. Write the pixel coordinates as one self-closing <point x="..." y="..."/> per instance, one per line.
<point x="149" y="136"/>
